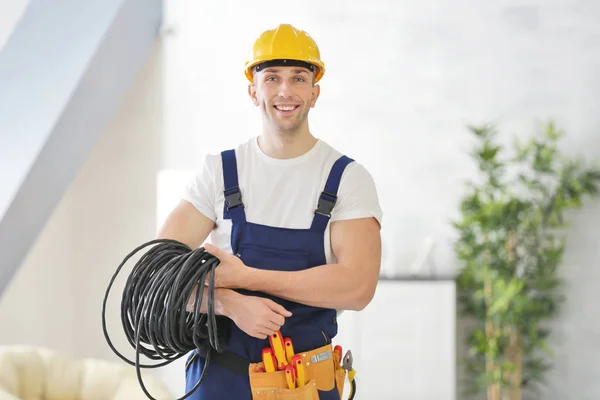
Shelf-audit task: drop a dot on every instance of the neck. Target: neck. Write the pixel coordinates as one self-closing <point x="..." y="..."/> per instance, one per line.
<point x="284" y="146"/>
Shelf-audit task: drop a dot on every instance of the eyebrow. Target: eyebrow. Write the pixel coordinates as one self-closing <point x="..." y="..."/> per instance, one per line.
<point x="295" y="71"/>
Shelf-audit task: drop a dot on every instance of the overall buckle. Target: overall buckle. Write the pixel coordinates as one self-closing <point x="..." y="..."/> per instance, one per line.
<point x="325" y="205"/>
<point x="234" y="199"/>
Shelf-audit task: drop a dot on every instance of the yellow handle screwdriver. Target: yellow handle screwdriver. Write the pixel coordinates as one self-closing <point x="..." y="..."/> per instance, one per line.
<point x="289" y="349"/>
<point x="300" y="374"/>
<point x="338" y="352"/>
<point x="269" y="360"/>
<point x="277" y="345"/>
<point x="290" y="376"/>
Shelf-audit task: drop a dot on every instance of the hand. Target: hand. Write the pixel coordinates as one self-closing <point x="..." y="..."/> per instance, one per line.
<point x="231" y="271"/>
<point x="257" y="316"/>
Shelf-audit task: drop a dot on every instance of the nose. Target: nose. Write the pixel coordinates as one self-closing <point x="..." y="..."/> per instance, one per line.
<point x="284" y="89"/>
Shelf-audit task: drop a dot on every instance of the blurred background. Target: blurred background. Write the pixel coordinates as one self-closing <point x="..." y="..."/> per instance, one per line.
<point x="108" y="107"/>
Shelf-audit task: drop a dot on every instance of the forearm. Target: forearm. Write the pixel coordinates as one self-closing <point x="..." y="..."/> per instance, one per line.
<point x="223" y="301"/>
<point x="336" y="286"/>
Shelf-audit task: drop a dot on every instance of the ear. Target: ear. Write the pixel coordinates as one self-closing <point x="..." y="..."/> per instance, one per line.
<point x="316" y="90"/>
<point x="252" y="93"/>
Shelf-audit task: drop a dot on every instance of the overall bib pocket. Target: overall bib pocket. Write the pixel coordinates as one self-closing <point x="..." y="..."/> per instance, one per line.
<point x="283" y="260"/>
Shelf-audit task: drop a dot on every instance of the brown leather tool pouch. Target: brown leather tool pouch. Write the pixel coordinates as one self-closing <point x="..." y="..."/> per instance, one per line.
<point x="320" y="375"/>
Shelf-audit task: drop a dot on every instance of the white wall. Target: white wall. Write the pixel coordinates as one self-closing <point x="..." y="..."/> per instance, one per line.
<point x="10" y="14"/>
<point x="55" y="300"/>
<point x="114" y="205"/>
<point x="38" y="305"/>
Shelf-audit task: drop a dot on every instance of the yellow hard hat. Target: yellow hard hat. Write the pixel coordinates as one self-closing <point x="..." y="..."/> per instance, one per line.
<point x="285" y="45"/>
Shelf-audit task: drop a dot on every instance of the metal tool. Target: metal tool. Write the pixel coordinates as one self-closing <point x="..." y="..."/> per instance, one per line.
<point x="347" y="365"/>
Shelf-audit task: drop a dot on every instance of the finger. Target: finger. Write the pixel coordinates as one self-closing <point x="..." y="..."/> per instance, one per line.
<point x="259" y="335"/>
<point x="215" y="251"/>
<point x="265" y="331"/>
<point x="277" y="319"/>
<point x="271" y="326"/>
<point x="278" y="308"/>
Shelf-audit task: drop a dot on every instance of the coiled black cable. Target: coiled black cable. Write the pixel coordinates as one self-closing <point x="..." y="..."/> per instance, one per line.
<point x="153" y="306"/>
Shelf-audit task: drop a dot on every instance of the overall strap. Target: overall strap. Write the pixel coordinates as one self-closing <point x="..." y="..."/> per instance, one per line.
<point x="234" y="207"/>
<point x="328" y="197"/>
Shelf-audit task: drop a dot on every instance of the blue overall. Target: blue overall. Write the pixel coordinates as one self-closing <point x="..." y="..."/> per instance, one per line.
<point x="271" y="248"/>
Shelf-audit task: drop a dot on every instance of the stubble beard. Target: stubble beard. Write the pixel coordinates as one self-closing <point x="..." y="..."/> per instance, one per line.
<point x="285" y="130"/>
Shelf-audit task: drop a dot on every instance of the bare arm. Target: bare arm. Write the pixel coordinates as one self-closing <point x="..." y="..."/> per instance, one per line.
<point x="256" y="316"/>
<point x="349" y="284"/>
<point x="189" y="226"/>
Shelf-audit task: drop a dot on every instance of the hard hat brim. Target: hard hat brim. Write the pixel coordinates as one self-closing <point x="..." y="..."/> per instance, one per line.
<point x="318" y="70"/>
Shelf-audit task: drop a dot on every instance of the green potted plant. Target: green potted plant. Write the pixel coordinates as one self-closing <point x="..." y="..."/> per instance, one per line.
<point x="510" y="244"/>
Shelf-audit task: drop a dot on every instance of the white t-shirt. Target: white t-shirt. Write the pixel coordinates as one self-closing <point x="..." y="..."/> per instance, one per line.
<point x="282" y="193"/>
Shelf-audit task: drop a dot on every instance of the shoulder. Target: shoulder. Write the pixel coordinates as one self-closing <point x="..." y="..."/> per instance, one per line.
<point x="357" y="193"/>
<point x="354" y="171"/>
<point x="214" y="160"/>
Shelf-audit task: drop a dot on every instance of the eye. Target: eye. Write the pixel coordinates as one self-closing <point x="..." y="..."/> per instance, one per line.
<point x="270" y="79"/>
<point x="299" y="79"/>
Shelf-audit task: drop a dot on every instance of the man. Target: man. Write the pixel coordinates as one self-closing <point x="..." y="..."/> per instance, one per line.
<point x="295" y="225"/>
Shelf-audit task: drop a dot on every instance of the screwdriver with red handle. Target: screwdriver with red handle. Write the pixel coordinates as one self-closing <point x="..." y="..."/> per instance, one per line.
<point x="338" y="351"/>
<point x="289" y="349"/>
<point x="269" y="360"/>
<point x="290" y="376"/>
<point x="276" y="341"/>
<point x="299" y="367"/>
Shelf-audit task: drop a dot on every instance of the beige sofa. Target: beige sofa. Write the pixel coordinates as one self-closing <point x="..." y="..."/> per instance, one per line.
<point x="34" y="373"/>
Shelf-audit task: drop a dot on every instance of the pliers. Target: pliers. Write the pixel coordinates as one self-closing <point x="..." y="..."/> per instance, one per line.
<point x="347" y="365"/>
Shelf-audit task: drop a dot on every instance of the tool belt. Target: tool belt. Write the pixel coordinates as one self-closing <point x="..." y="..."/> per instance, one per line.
<point x="322" y="371"/>
<point x="284" y="375"/>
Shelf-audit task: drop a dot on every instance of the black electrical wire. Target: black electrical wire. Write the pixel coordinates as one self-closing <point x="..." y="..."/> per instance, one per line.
<point x="153" y="306"/>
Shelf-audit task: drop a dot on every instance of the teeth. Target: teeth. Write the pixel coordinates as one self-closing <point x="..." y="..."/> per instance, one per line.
<point x="285" y="108"/>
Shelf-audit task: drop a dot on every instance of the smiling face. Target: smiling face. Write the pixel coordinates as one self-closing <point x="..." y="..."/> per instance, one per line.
<point x="285" y="95"/>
